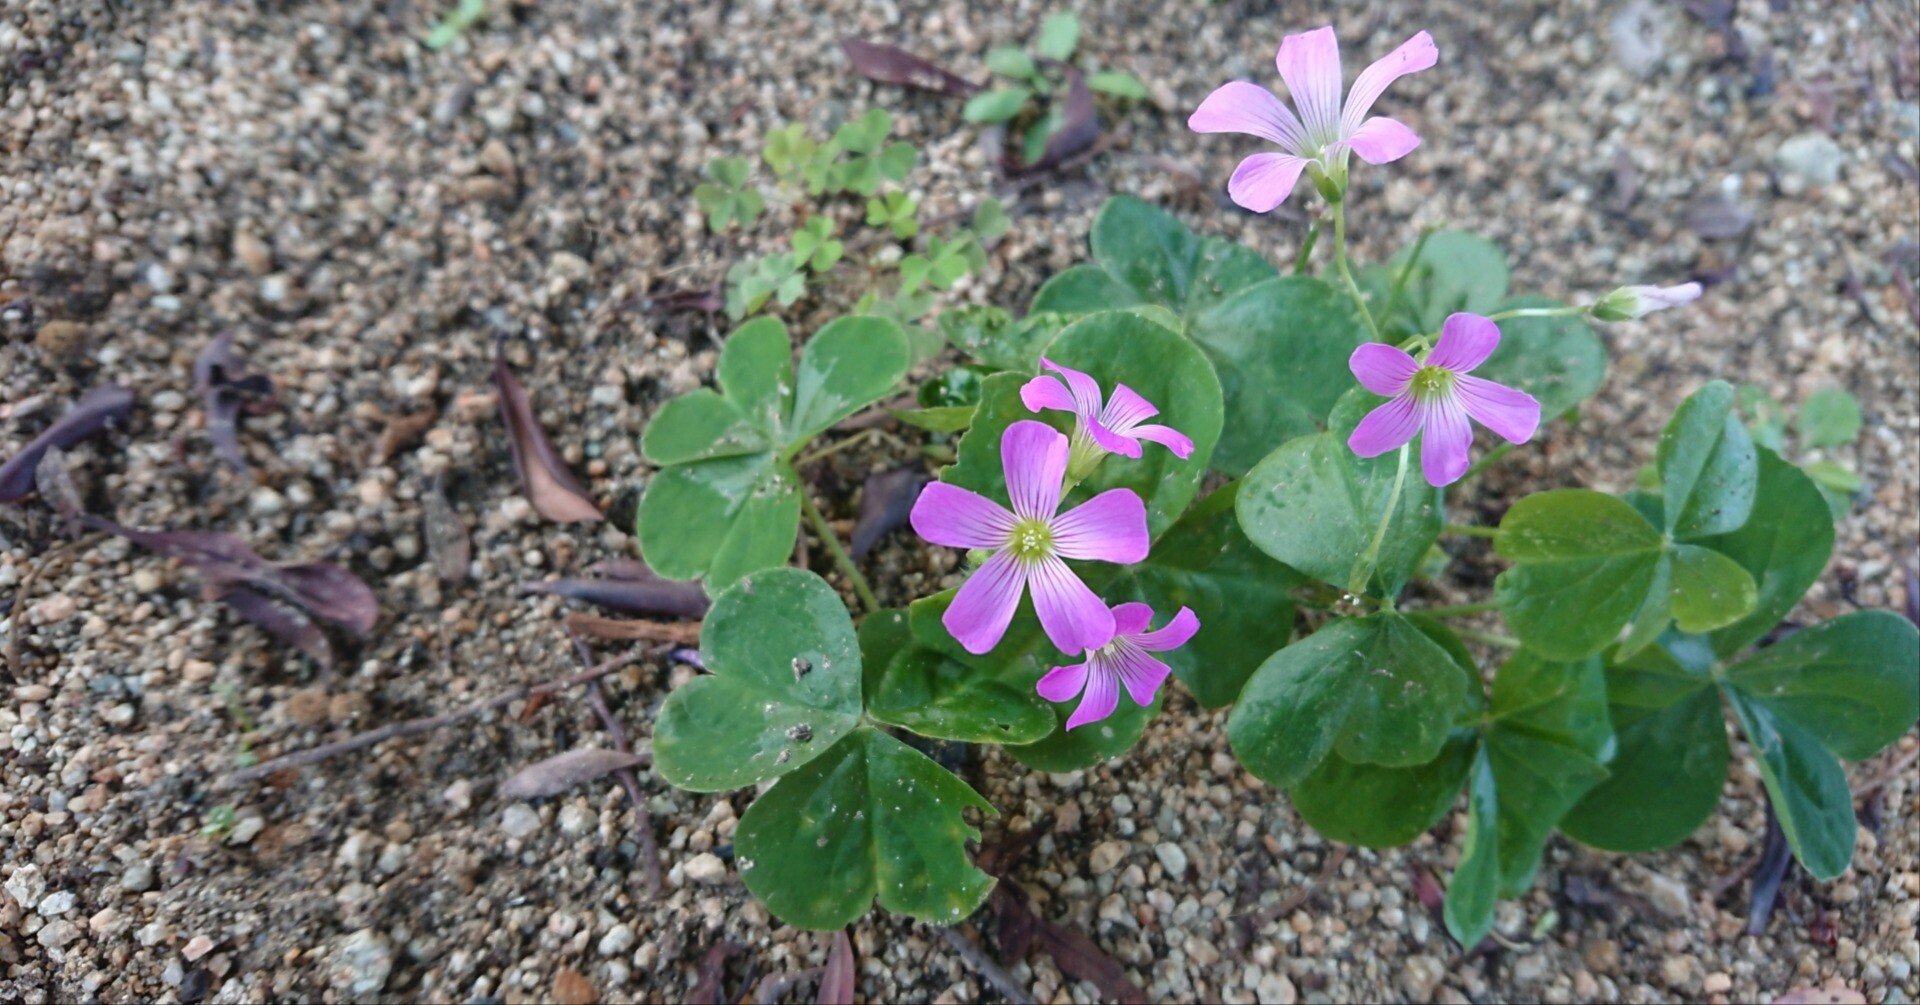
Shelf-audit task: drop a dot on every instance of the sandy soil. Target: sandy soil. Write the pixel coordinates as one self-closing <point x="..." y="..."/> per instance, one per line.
<point x="369" y="216"/>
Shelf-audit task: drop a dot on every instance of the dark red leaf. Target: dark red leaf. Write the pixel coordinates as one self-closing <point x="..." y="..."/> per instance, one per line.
<point x="321" y="589"/>
<point x="226" y="389"/>
<point x="1074" y="953"/>
<point x="707" y="988"/>
<point x="630" y="596"/>
<point x="55" y="484"/>
<point x="1776" y="861"/>
<point x="286" y="625"/>
<point x="1912" y="607"/>
<point x="885" y="501"/>
<point x="1427" y="891"/>
<point x="1079" y="128"/>
<point x="544" y="478"/>
<point x="95" y="409"/>
<point x="836" y="982"/>
<point x="561" y="772"/>
<point x="1017" y="925"/>
<point x="890" y="64"/>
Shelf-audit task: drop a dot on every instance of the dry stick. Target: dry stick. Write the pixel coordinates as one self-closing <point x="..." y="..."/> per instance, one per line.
<point x="642" y="820"/>
<point x="1887" y="774"/>
<point x="424" y="724"/>
<point x="17" y="629"/>
<point x="985" y="966"/>
<point x="594" y="626"/>
<point x="1299" y="897"/>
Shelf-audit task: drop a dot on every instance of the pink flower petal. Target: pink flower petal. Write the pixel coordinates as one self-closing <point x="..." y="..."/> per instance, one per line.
<point x="1310" y="64"/>
<point x="1034" y="457"/>
<point x="953" y="517"/>
<point x="1142" y="674"/>
<point x="1381" y="140"/>
<point x="1180" y="443"/>
<point x="1110" y="527"/>
<point x="1176" y="633"/>
<point x="1415" y="54"/>
<point x="1447" y="442"/>
<point x="1126" y="409"/>
<point x="1102" y="696"/>
<point x="1124" y="444"/>
<point x="1241" y="107"/>
<point x="1382" y="368"/>
<point x="1263" y="181"/>
<point x="984" y="606"/>
<point x="1085" y="390"/>
<point x="1131" y="618"/>
<point x="1044" y="392"/>
<point x="1074" y="619"/>
<point x="1063" y="683"/>
<point x="1386" y="428"/>
<point x="1512" y="414"/>
<point x="1466" y="340"/>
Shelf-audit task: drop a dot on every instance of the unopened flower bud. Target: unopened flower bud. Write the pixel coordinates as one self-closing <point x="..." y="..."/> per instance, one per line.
<point x="1630" y="302"/>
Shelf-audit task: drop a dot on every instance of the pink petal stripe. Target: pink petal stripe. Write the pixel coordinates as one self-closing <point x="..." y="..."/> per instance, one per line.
<point x="1142" y="674"/>
<point x="1085" y="390"/>
<point x="1382" y="368"/>
<point x="953" y="517"/>
<point x="1381" y="140"/>
<point x="1063" y="683"/>
<point x="1131" y="618"/>
<point x="1263" y="181"/>
<point x="1034" y="457"/>
<point x="1124" y="444"/>
<point x="1074" y="619"/>
<point x="1110" y="527"/>
<point x="1446" y="443"/>
<point x="1512" y="414"/>
<point x="1415" y="54"/>
<point x="1386" y="428"/>
<point x="1466" y="340"/>
<point x="1310" y="64"/>
<point x="1126" y="409"/>
<point x="1102" y="696"/>
<point x="983" y="608"/>
<point x="1180" y="443"/>
<point x="1241" y="107"/>
<point x="1176" y="633"/>
<point x="1044" y="392"/>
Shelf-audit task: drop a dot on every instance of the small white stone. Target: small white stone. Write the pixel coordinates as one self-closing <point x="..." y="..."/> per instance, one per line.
<point x="519" y="820"/>
<point x="56" y="903"/>
<point x="706" y="867"/>
<point x="1172" y="856"/>
<point x="1105" y="856"/>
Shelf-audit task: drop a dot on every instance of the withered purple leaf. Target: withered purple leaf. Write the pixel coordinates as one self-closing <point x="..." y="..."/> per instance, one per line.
<point x="885" y="501"/>
<point x="226" y="389"/>
<point x="283" y="622"/>
<point x="561" y="772"/>
<point x="1079" y="128"/>
<point x="544" y="478"/>
<point x="647" y="595"/>
<point x="837" y="979"/>
<point x="890" y="64"/>
<point x="91" y="413"/>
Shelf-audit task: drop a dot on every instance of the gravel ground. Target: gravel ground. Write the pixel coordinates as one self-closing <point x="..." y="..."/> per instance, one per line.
<point x="370" y="215"/>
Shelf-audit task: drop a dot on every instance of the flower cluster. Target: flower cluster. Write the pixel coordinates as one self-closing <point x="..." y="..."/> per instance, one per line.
<point x="1027" y="545"/>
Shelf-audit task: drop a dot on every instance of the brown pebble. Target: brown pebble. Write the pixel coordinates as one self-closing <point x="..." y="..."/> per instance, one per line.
<point x="571" y="987"/>
<point x="60" y="339"/>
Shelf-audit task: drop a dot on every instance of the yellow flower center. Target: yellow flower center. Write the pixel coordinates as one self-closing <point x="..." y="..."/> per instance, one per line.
<point x="1031" y="541"/>
<point x="1431" y="382"/>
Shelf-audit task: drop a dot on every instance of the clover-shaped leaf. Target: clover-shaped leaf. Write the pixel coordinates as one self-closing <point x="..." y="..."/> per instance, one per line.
<point x="727" y="199"/>
<point x="869" y="159"/>
<point x="997" y="339"/>
<point x="1783" y="546"/>
<point x="872" y="818"/>
<point x="1708" y="466"/>
<point x="948" y="694"/>
<point x="1117" y="84"/>
<point x="1144" y="255"/>
<point x="997" y="105"/>
<point x="1317" y="507"/>
<point x="787" y="150"/>
<point x="725" y="501"/>
<point x="813" y="244"/>
<point x="1376" y="689"/>
<point x="784" y="685"/>
<point x="1059" y="35"/>
<point x="896" y="212"/>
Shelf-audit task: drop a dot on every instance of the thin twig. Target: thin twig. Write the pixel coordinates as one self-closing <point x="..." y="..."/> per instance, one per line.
<point x="984" y="965"/>
<point x="424" y="724"/>
<point x="1258" y="919"/>
<point x="1899" y="764"/>
<point x="642" y="820"/>
<point x="678" y="633"/>
<point x="17" y="627"/>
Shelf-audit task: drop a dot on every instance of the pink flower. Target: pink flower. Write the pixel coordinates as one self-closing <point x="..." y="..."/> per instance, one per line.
<point x="1436" y="394"/>
<point x="1029" y="543"/>
<point x="1630" y="302"/>
<point x="1325" y="130"/>
<point x="1115" y="427"/>
<point x="1124" y="659"/>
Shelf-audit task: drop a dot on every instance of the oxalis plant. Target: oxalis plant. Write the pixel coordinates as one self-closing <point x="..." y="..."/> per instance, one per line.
<point x="1182" y="462"/>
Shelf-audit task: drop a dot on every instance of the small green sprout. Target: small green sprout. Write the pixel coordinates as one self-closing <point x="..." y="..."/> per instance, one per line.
<point x="813" y="244"/>
<point x="895" y="211"/>
<point x="455" y="24"/>
<point x="751" y="283"/>
<point x="728" y="199"/>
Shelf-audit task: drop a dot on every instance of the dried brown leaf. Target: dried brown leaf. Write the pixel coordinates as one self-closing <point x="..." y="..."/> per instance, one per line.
<point x="707" y="988"/>
<point x="285" y="624"/>
<point x="885" y="501"/>
<point x="837" y="981"/>
<point x="400" y="431"/>
<point x="594" y="626"/>
<point x="97" y="408"/>
<point x="561" y="772"/>
<point x="1074" y="953"/>
<point x="544" y="478"/>
<point x="1079" y="128"/>
<point x="890" y="64"/>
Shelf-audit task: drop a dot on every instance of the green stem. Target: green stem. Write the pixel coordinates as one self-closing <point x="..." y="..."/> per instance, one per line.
<point x="1459" y="610"/>
<point x="1489" y="638"/>
<point x="1346" y="274"/>
<point x="1470" y="530"/>
<point x="1537" y="312"/>
<point x="1491" y="458"/>
<point x="834" y="448"/>
<point x="1304" y="258"/>
<point x="1363" y="571"/>
<point x="1406" y="273"/>
<point x="839" y="553"/>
